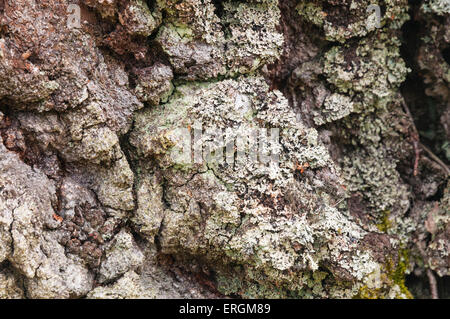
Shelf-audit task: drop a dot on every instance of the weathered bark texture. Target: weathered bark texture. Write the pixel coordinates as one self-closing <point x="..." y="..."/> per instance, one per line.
<point x="93" y="202"/>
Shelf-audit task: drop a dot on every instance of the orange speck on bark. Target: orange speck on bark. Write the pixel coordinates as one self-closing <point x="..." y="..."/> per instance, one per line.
<point x="57" y="217"/>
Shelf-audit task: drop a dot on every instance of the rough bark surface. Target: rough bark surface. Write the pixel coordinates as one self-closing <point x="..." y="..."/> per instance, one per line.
<point x="95" y="201"/>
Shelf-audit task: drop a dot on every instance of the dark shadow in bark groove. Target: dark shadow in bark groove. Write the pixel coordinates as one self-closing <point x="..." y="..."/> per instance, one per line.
<point x="419" y="287"/>
<point x="425" y="109"/>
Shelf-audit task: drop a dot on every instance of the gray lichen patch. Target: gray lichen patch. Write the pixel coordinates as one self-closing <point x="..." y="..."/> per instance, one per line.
<point x="154" y="84"/>
<point x="268" y="218"/>
<point x="22" y="82"/>
<point x="440" y="7"/>
<point x="372" y="70"/>
<point x="137" y="18"/>
<point x="200" y="45"/>
<point x="35" y="253"/>
<point x="252" y="39"/>
<point x="335" y="107"/>
<point x="352" y="19"/>
<point x="127" y="287"/>
<point x="374" y="177"/>
<point x="9" y="286"/>
<point x="122" y="255"/>
<point x="149" y="213"/>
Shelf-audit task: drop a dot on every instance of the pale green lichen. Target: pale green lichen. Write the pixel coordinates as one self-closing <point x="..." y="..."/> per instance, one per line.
<point x="239" y="226"/>
<point x="252" y="39"/>
<point x="241" y="41"/>
<point x="335" y="107"/>
<point x="392" y="275"/>
<point x="440" y="7"/>
<point x="352" y="19"/>
<point x="370" y="74"/>
<point x="370" y="174"/>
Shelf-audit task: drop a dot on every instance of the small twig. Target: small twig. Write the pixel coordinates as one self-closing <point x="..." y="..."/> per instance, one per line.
<point x="416" y="144"/>
<point x="436" y="159"/>
<point x="433" y="284"/>
<point x="408" y="112"/>
<point x="415" y="137"/>
<point x="431" y="279"/>
<point x="417" y="156"/>
<point x="340" y="201"/>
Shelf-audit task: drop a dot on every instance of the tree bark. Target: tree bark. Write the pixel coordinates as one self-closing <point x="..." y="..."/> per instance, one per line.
<point x="205" y="149"/>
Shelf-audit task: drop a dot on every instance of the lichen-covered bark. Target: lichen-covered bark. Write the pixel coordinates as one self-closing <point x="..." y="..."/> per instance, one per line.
<point x="97" y="201"/>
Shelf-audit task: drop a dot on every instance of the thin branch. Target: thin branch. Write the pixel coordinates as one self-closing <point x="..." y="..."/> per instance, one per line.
<point x="408" y="112"/>
<point x="431" y="278"/>
<point x="417" y="143"/>
<point x="415" y="137"/>
<point x="433" y="284"/>
<point x="436" y="159"/>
